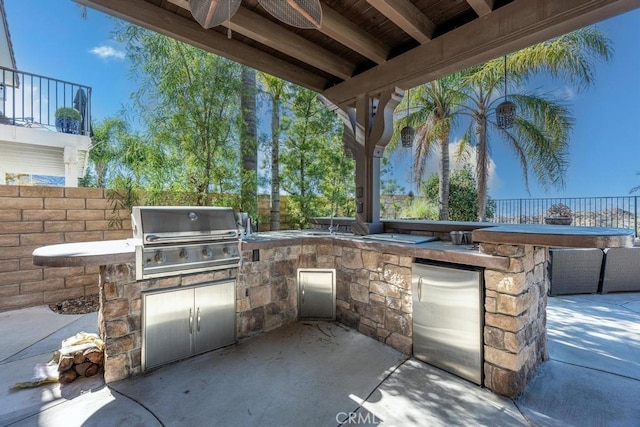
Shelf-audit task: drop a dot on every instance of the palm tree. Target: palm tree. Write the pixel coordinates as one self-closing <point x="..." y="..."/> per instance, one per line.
<point x="249" y="143"/>
<point x="276" y="89"/>
<point x="434" y="115"/>
<point x="540" y="135"/>
<point x="103" y="151"/>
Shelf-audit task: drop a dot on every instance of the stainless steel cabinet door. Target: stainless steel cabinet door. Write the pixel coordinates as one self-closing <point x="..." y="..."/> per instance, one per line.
<point x="317" y="293"/>
<point x="447" y="319"/>
<point x="166" y="327"/>
<point x="215" y="316"/>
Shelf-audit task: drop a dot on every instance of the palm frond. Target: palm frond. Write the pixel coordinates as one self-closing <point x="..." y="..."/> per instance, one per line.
<point x="543" y="126"/>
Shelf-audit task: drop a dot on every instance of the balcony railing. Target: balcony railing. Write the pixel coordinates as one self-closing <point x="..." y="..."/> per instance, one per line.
<point x="31" y="100"/>
<point x="616" y="212"/>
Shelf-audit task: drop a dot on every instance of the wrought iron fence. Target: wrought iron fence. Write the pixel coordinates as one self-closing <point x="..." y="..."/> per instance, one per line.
<point x="31" y="100"/>
<point x="616" y="212"/>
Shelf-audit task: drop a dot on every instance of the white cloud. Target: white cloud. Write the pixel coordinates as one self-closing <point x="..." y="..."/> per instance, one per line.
<point x="106" y="52"/>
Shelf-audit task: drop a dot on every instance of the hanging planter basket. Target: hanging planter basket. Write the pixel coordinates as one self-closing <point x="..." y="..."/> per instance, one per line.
<point x="407" y="135"/>
<point x="506" y="114"/>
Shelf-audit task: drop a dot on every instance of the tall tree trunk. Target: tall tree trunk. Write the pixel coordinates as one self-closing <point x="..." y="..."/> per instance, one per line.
<point x="481" y="166"/>
<point x="444" y="179"/>
<point x="100" y="175"/>
<point x="275" y="162"/>
<point x="249" y="144"/>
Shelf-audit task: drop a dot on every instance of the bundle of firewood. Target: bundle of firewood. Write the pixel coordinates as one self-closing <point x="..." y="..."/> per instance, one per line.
<point x="80" y="356"/>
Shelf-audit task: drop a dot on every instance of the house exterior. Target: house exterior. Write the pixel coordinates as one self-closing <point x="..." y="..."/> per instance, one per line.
<point x="32" y="152"/>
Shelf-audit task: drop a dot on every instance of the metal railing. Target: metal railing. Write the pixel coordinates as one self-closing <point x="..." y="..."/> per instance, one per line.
<point x="616" y="212"/>
<point x="31" y="100"/>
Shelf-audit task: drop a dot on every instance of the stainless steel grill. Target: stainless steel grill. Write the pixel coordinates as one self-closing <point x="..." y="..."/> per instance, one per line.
<point x="185" y="239"/>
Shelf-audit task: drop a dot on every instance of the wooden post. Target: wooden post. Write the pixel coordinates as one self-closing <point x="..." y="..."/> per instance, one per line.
<point x="368" y="127"/>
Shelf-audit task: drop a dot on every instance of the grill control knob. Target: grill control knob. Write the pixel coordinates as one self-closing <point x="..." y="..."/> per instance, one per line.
<point x="159" y="258"/>
<point x="206" y="253"/>
<point x="183" y="254"/>
<point x="225" y="251"/>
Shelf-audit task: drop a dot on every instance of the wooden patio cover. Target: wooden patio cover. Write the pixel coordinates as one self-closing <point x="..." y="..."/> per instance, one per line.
<point x="366" y="52"/>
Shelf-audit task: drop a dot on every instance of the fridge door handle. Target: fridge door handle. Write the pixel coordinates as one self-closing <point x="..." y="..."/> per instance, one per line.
<point x="198" y="320"/>
<point x="420" y="289"/>
<point x="303" y="293"/>
<point x="190" y="321"/>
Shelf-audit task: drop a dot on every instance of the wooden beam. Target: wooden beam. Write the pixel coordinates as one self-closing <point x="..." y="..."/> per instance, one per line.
<point x="257" y="28"/>
<point x="350" y="35"/>
<point x="341" y="30"/>
<point x="147" y="15"/>
<point x="268" y="33"/>
<point x="406" y="16"/>
<point x="514" y="26"/>
<point x="482" y="7"/>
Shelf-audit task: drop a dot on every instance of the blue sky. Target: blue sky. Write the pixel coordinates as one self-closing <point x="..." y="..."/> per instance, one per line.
<point x="50" y="38"/>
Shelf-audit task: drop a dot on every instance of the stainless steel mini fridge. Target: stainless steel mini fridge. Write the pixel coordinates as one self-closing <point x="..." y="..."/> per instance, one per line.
<point x="448" y="318"/>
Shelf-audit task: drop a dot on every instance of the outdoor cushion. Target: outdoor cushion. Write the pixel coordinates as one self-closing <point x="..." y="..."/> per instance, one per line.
<point x="574" y="271"/>
<point x="621" y="270"/>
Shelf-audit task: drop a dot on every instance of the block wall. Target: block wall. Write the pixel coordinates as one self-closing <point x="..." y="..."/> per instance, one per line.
<point x="31" y="217"/>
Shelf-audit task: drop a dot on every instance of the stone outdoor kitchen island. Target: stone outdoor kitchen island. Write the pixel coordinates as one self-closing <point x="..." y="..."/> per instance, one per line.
<point x="373" y="288"/>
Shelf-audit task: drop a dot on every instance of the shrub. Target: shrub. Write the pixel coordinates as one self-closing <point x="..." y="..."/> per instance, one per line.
<point x="558" y="209"/>
<point x="68" y="113"/>
<point x="420" y="208"/>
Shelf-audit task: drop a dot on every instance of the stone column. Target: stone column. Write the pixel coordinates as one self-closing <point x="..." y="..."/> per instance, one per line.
<point x="515" y="340"/>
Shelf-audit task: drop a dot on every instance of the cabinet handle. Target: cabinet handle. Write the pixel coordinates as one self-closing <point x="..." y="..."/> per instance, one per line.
<point x="190" y="321"/>
<point x="198" y="320"/>
<point x="420" y="289"/>
<point x="303" y="293"/>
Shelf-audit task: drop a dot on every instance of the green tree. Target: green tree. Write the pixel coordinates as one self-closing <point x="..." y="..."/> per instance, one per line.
<point x="104" y="146"/>
<point x="276" y="90"/>
<point x="463" y="199"/>
<point x="309" y="153"/>
<point x="189" y="101"/>
<point x="540" y="135"/>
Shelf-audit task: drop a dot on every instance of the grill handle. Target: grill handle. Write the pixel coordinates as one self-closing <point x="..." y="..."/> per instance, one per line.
<point x="160" y="239"/>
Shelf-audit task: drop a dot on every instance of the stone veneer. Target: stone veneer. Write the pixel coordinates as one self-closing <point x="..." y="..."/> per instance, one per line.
<point x="515" y="340"/>
<point x="120" y="316"/>
<point x="373" y="295"/>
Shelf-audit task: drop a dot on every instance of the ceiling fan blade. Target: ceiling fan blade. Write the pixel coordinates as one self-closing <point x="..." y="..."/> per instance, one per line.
<point x="297" y="13"/>
<point x="211" y="13"/>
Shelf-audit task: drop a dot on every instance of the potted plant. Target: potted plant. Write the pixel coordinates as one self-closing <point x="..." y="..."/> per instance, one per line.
<point x="68" y="120"/>
<point x="558" y="214"/>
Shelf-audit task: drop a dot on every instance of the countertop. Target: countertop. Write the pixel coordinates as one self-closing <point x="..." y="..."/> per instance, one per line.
<point x="86" y="253"/>
<point x="123" y="251"/>
<point x="556" y="236"/>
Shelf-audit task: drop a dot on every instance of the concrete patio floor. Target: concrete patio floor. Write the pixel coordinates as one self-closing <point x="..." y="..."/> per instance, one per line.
<point x="324" y="374"/>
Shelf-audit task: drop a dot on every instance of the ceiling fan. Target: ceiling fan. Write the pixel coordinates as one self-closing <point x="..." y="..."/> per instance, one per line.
<point x="297" y="13"/>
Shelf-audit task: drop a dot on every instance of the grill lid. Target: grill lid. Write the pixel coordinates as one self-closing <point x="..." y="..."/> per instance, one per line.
<point x="182" y="224"/>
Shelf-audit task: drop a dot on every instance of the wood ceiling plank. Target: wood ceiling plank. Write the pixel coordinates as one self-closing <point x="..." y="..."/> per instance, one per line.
<point x="350" y="35"/>
<point x="481" y="7"/>
<point x="257" y="28"/>
<point x="268" y="33"/>
<point x="514" y="26"/>
<point x="147" y="15"/>
<point x="406" y="16"/>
